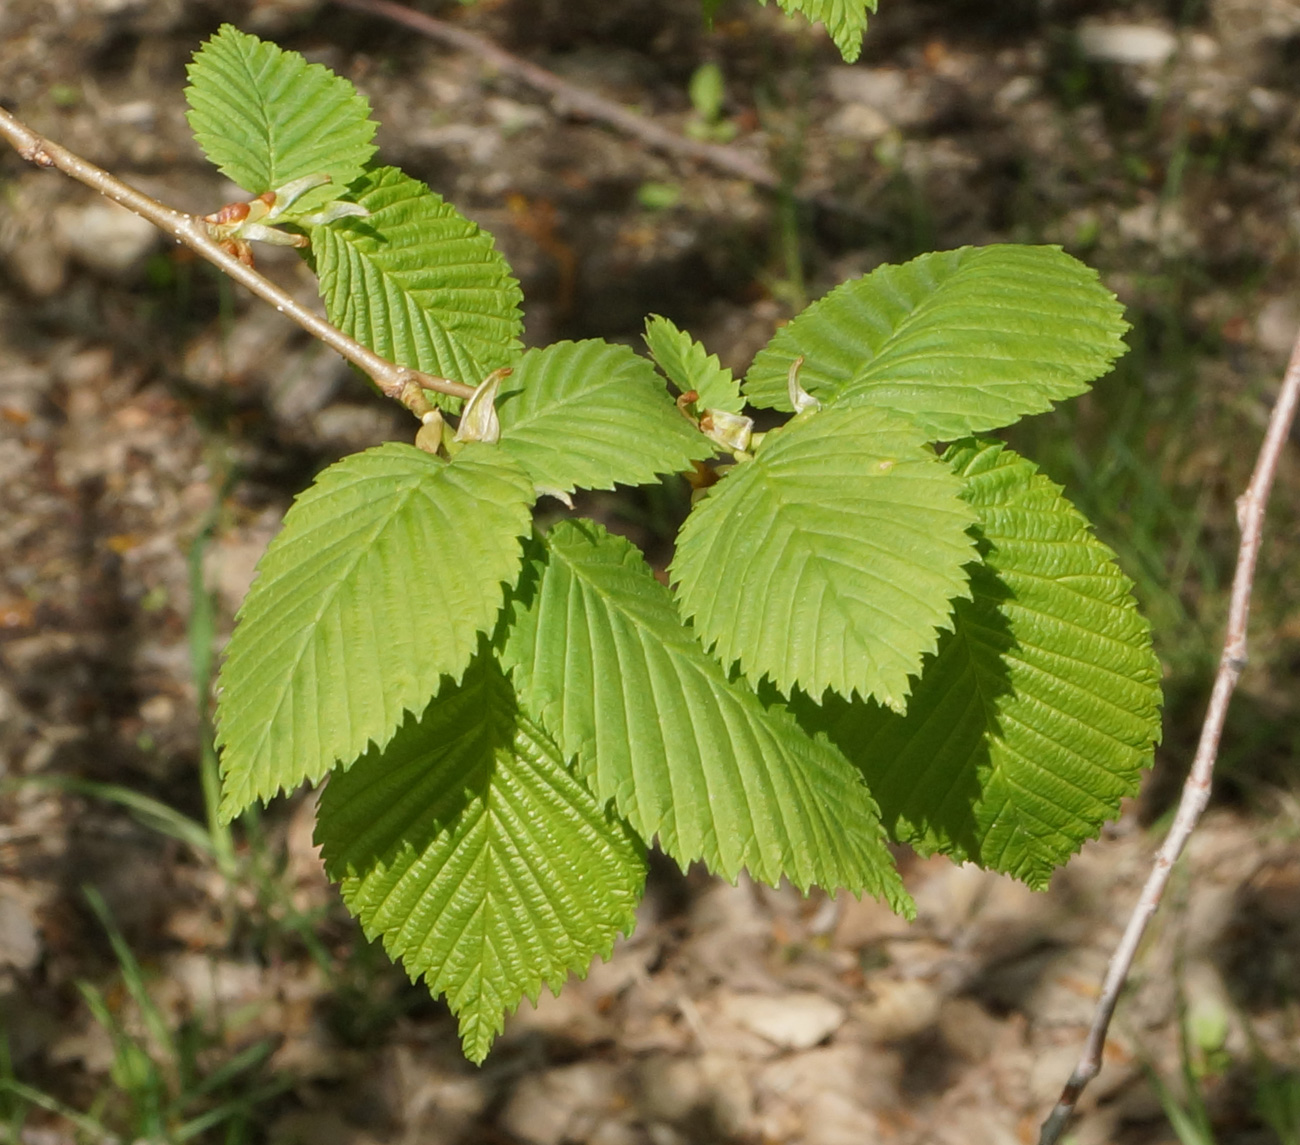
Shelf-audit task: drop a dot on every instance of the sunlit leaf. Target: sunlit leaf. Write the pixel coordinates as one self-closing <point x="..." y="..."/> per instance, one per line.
<point x="386" y="571"/>
<point x="832" y="558"/>
<point x="599" y="653"/>
<point x="265" y="117"/>
<point x="960" y="341"/>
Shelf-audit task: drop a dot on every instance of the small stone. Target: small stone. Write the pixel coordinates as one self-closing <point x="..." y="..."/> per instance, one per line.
<point x="891" y="92"/>
<point x="863" y="1075"/>
<point x="158" y="710"/>
<point x="899" y="1009"/>
<point x="949" y="894"/>
<point x="865" y="921"/>
<point x="713" y="1087"/>
<point x="834" y="1119"/>
<point x="20" y="939"/>
<point x="1277" y="326"/>
<point x="615" y="1133"/>
<point x="859" y="121"/>
<point x="670" y="1086"/>
<point x="795" y="1021"/>
<point x="563" y="1104"/>
<point x="1014" y="92"/>
<point x="1161" y="225"/>
<point x="105" y="237"/>
<point x="215" y="986"/>
<point x="1126" y="43"/>
<point x="571" y="1014"/>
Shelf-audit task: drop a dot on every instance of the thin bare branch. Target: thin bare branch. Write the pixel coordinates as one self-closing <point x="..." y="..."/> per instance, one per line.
<point x="397" y="382"/>
<point x="572" y="99"/>
<point x="1196" y="791"/>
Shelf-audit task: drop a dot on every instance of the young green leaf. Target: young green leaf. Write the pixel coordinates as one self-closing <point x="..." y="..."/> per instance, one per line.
<point x="591" y="414"/>
<point x="960" y="341"/>
<point x="830" y="560"/>
<point x="599" y="654"/>
<point x="845" y="20"/>
<point x="1038" y="713"/>
<point x="384" y="574"/>
<point x="265" y="117"/>
<point x="418" y="282"/>
<point x="470" y="848"/>
<point x="689" y="366"/>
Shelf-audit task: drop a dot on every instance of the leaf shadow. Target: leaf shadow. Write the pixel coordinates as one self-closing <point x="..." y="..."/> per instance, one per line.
<point x="435" y="770"/>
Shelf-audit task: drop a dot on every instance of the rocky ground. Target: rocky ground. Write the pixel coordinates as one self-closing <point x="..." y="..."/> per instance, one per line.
<point x="154" y="423"/>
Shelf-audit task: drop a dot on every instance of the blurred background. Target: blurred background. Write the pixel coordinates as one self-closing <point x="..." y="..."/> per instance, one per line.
<point x="165" y="980"/>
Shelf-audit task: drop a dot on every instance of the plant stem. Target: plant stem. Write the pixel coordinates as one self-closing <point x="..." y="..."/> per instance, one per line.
<point x="400" y="383"/>
<point x="1196" y="791"/>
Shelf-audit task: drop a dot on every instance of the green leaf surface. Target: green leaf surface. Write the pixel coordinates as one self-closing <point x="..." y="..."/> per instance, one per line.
<point x="689" y="366"/>
<point x="265" y="117"/>
<point x="599" y="654"/>
<point x="845" y="20"/>
<point x="1038" y="713"/>
<point x="832" y="558"/>
<point x="384" y="574"/>
<point x="473" y="851"/>
<point x="418" y="282"/>
<point x="591" y="414"/>
<point x="960" y="341"/>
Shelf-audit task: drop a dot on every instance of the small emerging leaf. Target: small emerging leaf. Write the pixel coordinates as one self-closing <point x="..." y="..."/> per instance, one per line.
<point x="266" y="118"/>
<point x="831" y="559"/>
<point x="479" y="421"/>
<point x="959" y="341"/>
<point x="386" y="571"/>
<point x="470" y="848"/>
<point x="1039" y="712"/>
<point x="689" y="366"/>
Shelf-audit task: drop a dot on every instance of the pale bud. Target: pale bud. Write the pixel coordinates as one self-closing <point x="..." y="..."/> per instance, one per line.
<point x="730" y="430"/>
<point x="800" y="398"/>
<point x="429" y="435"/>
<point x="479" y="422"/>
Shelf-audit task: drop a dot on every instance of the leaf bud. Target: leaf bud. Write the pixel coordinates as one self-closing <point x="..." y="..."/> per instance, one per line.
<point x="479" y="422"/>
<point x="800" y="398"/>
<point x="429" y="435"/>
<point x="338" y="209"/>
<point x="730" y="430"/>
<point x="282" y="198"/>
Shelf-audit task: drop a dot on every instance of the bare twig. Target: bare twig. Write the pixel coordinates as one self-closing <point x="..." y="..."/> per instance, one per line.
<point x="571" y="98"/>
<point x="397" y="382"/>
<point x="1196" y="791"/>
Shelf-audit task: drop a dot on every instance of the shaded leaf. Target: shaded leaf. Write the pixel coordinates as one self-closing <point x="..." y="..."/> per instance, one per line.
<point x="1038" y="713"/>
<point x="470" y="848"/>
